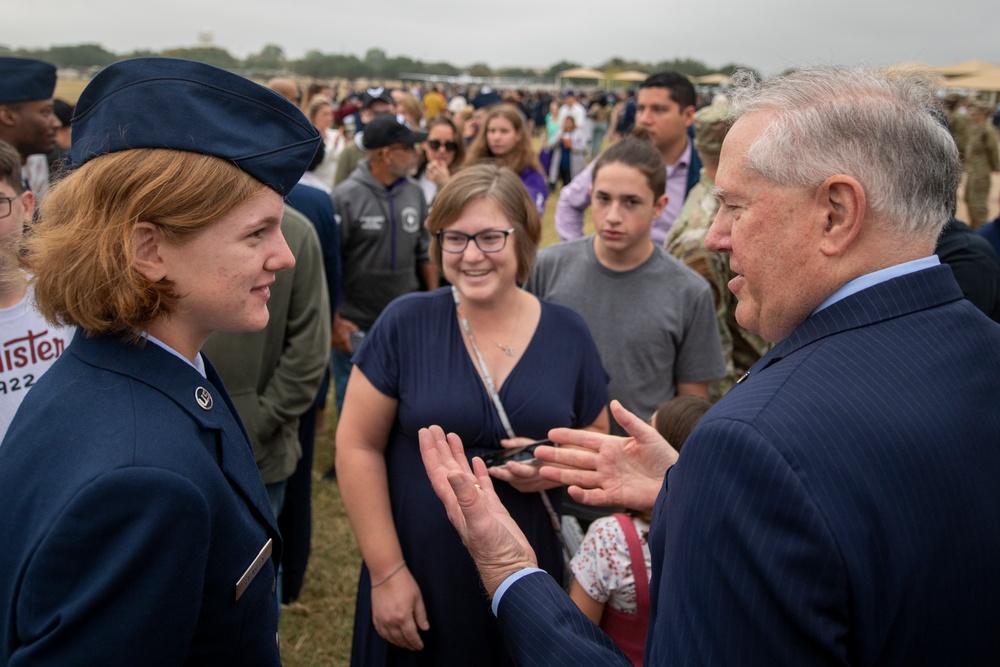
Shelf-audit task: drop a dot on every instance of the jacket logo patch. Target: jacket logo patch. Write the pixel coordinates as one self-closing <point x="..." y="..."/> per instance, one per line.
<point x="411" y="219"/>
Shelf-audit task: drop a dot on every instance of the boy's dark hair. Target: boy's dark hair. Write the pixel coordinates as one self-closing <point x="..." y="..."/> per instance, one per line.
<point x="639" y="154"/>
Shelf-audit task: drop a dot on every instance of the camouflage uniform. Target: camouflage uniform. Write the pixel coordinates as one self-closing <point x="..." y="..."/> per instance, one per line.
<point x="981" y="159"/>
<point x="958" y="122"/>
<point x="686" y="242"/>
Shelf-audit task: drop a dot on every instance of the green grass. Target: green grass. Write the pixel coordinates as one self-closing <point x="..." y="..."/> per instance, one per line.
<point x="316" y="630"/>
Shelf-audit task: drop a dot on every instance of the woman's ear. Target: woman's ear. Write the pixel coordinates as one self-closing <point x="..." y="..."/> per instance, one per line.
<point x="145" y="243"/>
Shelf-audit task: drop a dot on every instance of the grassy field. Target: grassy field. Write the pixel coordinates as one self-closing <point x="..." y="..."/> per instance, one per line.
<point x="316" y="630"/>
<point x="70" y="89"/>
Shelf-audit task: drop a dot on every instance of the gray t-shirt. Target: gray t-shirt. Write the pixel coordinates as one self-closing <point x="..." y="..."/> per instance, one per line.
<point x="654" y="325"/>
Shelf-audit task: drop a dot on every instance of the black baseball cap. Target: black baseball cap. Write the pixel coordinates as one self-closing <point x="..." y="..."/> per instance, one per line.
<point x="386" y="130"/>
<point x="373" y="95"/>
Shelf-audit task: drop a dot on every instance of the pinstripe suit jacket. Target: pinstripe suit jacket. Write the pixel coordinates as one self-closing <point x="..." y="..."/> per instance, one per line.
<point x="840" y="506"/>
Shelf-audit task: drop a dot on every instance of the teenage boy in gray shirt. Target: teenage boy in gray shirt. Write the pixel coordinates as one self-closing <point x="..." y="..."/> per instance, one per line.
<point x="653" y="319"/>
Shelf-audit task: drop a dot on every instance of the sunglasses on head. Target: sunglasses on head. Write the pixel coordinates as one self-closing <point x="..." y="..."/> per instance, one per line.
<point x="449" y="146"/>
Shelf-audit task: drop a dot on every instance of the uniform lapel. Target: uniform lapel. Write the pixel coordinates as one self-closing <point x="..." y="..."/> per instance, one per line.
<point x="205" y="400"/>
<point x="236" y="455"/>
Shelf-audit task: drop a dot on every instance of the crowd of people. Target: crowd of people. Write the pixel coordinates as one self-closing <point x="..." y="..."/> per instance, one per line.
<point x="188" y="273"/>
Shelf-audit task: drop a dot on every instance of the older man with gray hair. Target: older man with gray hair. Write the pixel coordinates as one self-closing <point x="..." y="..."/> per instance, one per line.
<point x="839" y="505"/>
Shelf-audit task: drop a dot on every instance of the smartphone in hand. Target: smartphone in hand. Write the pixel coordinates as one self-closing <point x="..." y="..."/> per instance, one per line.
<point x="524" y="454"/>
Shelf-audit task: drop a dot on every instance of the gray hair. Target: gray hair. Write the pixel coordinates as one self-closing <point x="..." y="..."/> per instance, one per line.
<point x="880" y="128"/>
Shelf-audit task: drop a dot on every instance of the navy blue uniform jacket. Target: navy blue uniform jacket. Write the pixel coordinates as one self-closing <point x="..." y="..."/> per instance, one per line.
<point x="839" y="507"/>
<point x="129" y="509"/>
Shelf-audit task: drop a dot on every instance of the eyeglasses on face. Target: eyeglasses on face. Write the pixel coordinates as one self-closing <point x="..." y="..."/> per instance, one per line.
<point x="436" y="145"/>
<point x="488" y="240"/>
<point x="6" y="206"/>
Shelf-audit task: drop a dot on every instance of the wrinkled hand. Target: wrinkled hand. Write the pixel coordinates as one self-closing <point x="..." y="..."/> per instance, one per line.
<point x="496" y="544"/>
<point x="437" y="171"/>
<point x="603" y="469"/>
<point x="340" y="335"/>
<point x="522" y="476"/>
<point x="398" y="611"/>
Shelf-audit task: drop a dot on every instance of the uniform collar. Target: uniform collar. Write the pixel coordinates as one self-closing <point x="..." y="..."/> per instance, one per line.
<point x="203" y="398"/>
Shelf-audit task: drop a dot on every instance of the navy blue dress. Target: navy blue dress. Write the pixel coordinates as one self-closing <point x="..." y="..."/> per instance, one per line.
<point x="416" y="353"/>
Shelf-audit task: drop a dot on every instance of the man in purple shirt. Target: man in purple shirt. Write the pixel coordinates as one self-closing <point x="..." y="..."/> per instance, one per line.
<point x="664" y="111"/>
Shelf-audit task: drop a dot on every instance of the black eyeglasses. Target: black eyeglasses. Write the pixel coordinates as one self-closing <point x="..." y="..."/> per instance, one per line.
<point x="5" y="206"/>
<point x="449" y="146"/>
<point x="488" y="240"/>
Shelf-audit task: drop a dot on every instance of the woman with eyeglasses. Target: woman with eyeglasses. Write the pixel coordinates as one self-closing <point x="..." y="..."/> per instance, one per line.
<point x="442" y="153"/>
<point x="488" y="361"/>
<point x="504" y="140"/>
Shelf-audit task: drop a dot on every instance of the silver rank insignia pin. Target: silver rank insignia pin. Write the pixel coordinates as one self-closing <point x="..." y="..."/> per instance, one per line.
<point x="203" y="397"/>
<point x="743" y="377"/>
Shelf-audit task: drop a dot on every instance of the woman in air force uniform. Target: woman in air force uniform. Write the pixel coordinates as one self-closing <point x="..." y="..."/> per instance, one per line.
<point x="136" y="529"/>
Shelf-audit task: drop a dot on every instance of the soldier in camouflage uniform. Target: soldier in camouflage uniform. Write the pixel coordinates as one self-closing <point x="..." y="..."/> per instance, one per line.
<point x="686" y="242"/>
<point x="958" y="122"/>
<point x="981" y="159"/>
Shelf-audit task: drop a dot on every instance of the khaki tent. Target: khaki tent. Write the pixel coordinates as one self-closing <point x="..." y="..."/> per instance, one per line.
<point x="627" y="76"/>
<point x="580" y="73"/>
<point x="966" y="68"/>
<point x="985" y="82"/>
<point x="716" y="79"/>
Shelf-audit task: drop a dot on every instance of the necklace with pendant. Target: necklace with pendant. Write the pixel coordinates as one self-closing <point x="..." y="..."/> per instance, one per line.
<point x="509" y="350"/>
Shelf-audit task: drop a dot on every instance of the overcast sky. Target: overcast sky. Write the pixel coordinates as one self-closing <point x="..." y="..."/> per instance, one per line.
<point x="770" y="35"/>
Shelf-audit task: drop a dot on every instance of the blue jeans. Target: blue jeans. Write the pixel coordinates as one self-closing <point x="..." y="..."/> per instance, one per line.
<point x="341" y="372"/>
<point x="342" y="366"/>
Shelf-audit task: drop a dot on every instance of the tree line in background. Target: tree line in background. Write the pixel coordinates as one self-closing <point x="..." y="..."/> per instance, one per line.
<point x="375" y="64"/>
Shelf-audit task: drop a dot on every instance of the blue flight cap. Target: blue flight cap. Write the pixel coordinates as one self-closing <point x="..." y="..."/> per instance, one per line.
<point x="26" y="80"/>
<point x="189" y="106"/>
